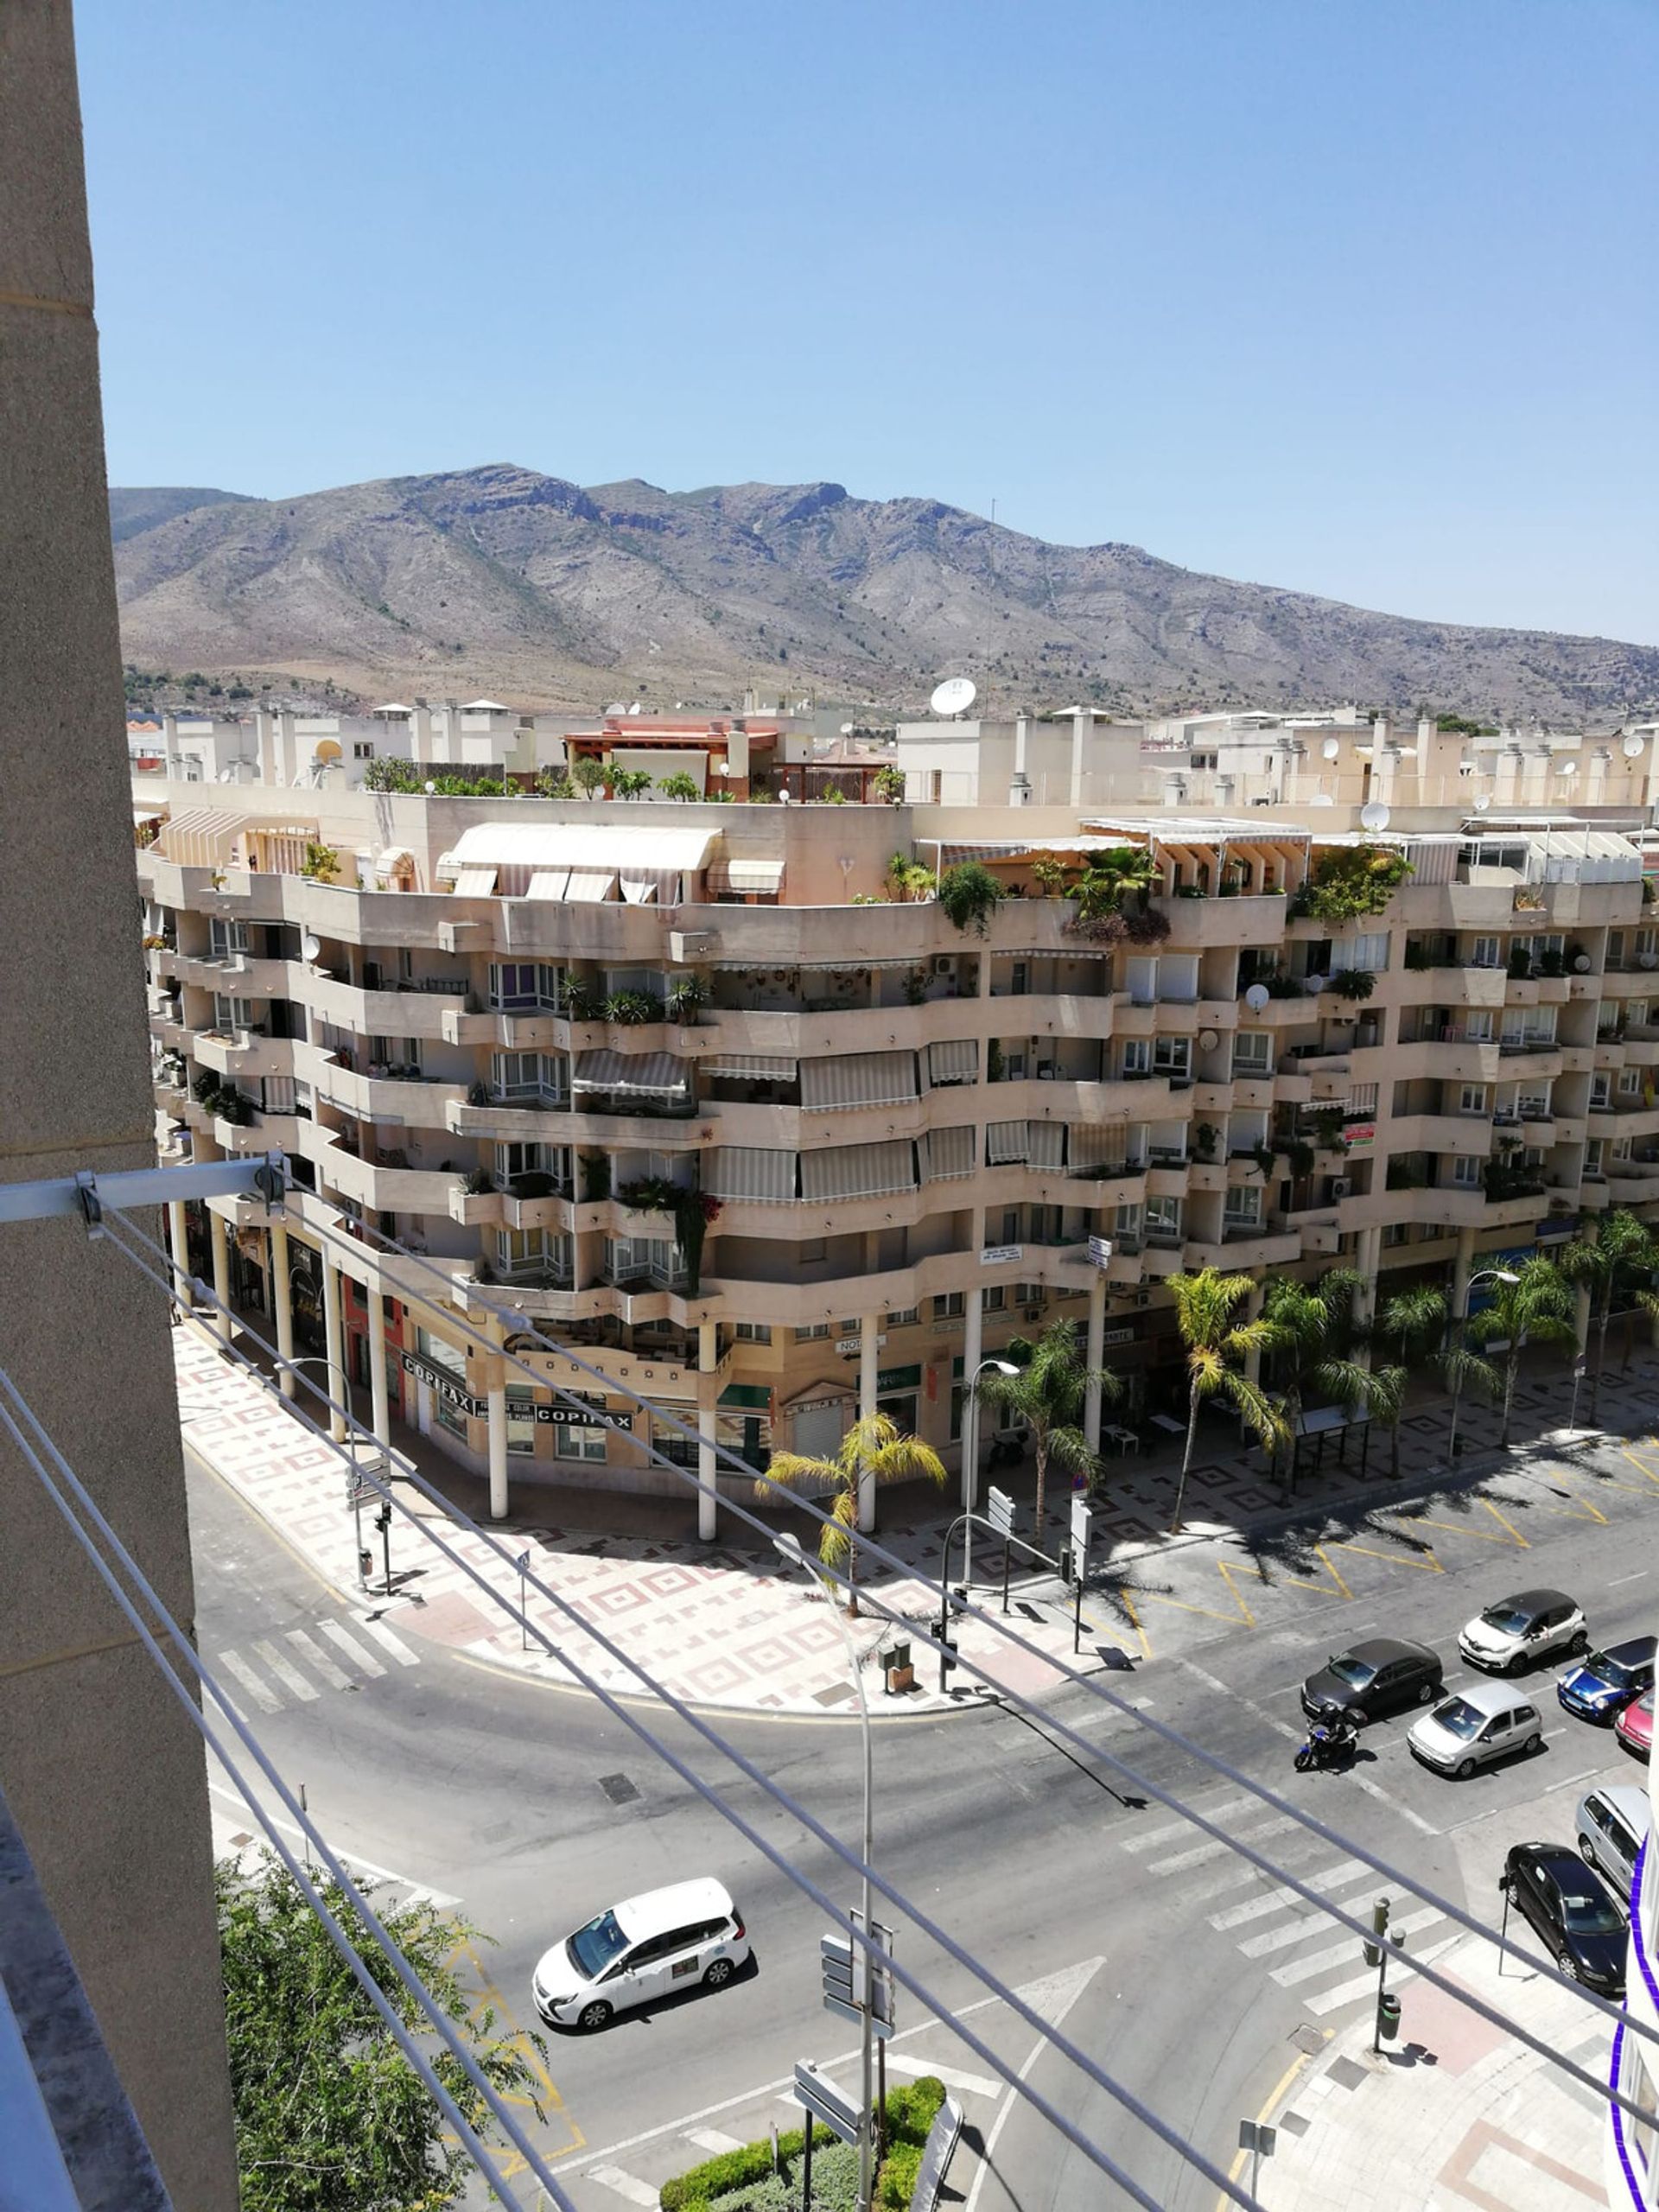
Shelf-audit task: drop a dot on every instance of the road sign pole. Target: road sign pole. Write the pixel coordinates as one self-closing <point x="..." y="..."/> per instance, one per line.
<point x="357" y="1524"/>
<point x="522" y="1564"/>
<point x="806" y="2168"/>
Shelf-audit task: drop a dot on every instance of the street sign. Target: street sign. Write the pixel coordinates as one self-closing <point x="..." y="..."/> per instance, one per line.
<point x="1100" y="1251"/>
<point x="999" y="1511"/>
<point x="1082" y="1523"/>
<point x="847" y="1977"/>
<point x="359" y="1489"/>
<point x="1253" y="2135"/>
<point x="522" y="1562"/>
<point x="824" y="2102"/>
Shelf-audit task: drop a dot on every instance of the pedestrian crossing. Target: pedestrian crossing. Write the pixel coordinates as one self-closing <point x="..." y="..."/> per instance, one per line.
<point x="299" y="1666"/>
<point x="1299" y="1948"/>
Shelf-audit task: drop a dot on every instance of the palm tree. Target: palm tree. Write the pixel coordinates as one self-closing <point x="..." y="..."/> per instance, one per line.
<point x="1048" y="1395"/>
<point x="1414" y="1319"/>
<point x="1204" y="1306"/>
<point x="1623" y="1248"/>
<point x="1536" y="1307"/>
<point x="872" y="1446"/>
<point x="1311" y="1327"/>
<point x="1109" y="877"/>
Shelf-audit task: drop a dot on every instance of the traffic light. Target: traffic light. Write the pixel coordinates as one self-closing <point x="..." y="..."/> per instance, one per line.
<point x="1373" y="1950"/>
<point x="1387" y="2018"/>
<point x="383" y="1519"/>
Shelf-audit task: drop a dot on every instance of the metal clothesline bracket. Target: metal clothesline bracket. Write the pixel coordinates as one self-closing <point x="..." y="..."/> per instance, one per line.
<point x="88" y="1195"/>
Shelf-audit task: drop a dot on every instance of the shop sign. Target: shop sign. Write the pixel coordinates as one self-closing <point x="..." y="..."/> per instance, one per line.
<point x="899" y="1378"/>
<point x="589" y="1412"/>
<point x="446" y="1385"/>
<point x="847" y="1345"/>
<point x="1100" y="1251"/>
<point x="997" y="1255"/>
<point x="1359" y="1136"/>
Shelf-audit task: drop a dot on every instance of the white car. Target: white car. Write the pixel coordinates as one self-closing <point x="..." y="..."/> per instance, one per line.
<point x="638" y="1952"/>
<point x="1482" y="1723"/>
<point x="1511" y="1634"/>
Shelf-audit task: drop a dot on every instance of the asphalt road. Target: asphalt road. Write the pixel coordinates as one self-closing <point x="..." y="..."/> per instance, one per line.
<point x="1162" y="1955"/>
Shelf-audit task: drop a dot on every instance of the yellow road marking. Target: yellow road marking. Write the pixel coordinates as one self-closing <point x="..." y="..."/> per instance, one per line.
<point x="1280" y="2090"/>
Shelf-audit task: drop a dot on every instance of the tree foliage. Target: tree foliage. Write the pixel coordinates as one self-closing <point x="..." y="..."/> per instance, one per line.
<point x="970" y="895"/>
<point x="330" y="2116"/>
<point x="1350" y="880"/>
<point x="1049" y="1393"/>
<point x="1622" y="1257"/>
<point x="1217" y="1344"/>
<point x="871" y="1446"/>
<point x="1538" y="1308"/>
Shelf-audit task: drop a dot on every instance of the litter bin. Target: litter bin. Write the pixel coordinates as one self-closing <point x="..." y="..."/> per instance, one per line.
<point x="900" y="1675"/>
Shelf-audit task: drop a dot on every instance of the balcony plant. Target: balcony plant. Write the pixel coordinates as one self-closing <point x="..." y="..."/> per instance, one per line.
<point x="1206" y="1136"/>
<point x="1349" y="881"/>
<point x="477" y="1183"/>
<point x="1353" y="983"/>
<point x="477" y="1094"/>
<point x="1114" y="885"/>
<point x="631" y="1009"/>
<point x="631" y="782"/>
<point x="970" y="895"/>
<point x="582" y="1002"/>
<point x="1553" y="961"/>
<point x="321" y="862"/>
<point x="589" y="777"/>
<point x="1520" y="964"/>
<point x="909" y="882"/>
<point x="694" y="1213"/>
<point x="888" y="784"/>
<point x="679" y="786"/>
<point x="596" y="1177"/>
<point x="687" y="997"/>
<point x="648" y="1194"/>
<point x="1417" y="957"/>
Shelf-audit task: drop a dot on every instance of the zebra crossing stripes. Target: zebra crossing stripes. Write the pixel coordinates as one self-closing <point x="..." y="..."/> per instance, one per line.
<point x="359" y="1654"/>
<point x="1148" y="1838"/>
<point x="302" y="1665"/>
<point x="318" y="1660"/>
<point x="1332" y="1878"/>
<point x="288" y="1674"/>
<point x="253" y="1684"/>
<point x="1342" y="1954"/>
<point x="389" y="1640"/>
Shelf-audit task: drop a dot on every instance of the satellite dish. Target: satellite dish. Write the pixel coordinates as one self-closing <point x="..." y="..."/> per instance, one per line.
<point x="1374" y="817"/>
<point x="1208" y="1040"/>
<point x="1648" y="960"/>
<point x="310" y="946"/>
<point x="1321" y="798"/>
<point x="1566" y="768"/>
<point x="1314" y="984"/>
<point x="1581" y="964"/>
<point x="1632" y="745"/>
<point x="617" y="707"/>
<point x="954" y="696"/>
<point x="1482" y="803"/>
<point x="1257" y="997"/>
<point x="846" y="728"/>
<point x="1331" y="749"/>
<point x="430" y="787"/>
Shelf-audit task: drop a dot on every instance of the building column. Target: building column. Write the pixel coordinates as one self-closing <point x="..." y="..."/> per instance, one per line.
<point x="221" y="1274"/>
<point x="178" y="1236"/>
<point x="1094" y="1355"/>
<point x="973" y="1350"/>
<point x="1581" y="1316"/>
<point x="1368" y="1258"/>
<point x="1462" y="1268"/>
<point x="869" y="1359"/>
<point x="1253" y="1305"/>
<point x="708" y="1488"/>
<point x="282" y="1306"/>
<point x="496" y="1401"/>
<point x="336" y="1352"/>
<point x="380" y="1413"/>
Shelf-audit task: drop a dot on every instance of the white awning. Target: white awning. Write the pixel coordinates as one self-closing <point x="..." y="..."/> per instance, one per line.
<point x="615" y="845"/>
<point x="750" y="1171"/>
<point x="474" y="883"/>
<point x="548" y="884"/>
<point x="858" y="1171"/>
<point x="947" y="1153"/>
<point x="590" y="885"/>
<point x="761" y="1067"/>
<point x="1005" y="1142"/>
<point x="644" y="1075"/>
<point x="201" y="838"/>
<point x="956" y="1060"/>
<point x="858" y="1079"/>
<point x="1047" y="1143"/>
<point x="748" y="878"/>
<point x="393" y="858"/>
<point x="142" y="814"/>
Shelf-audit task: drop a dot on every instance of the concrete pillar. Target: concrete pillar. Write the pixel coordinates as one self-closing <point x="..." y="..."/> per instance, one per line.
<point x="869" y="1358"/>
<point x="1253" y="1305"/>
<point x="1581" y="1315"/>
<point x="1096" y="1353"/>
<point x="496" y="1400"/>
<point x="708" y="1488"/>
<point x="178" y="1237"/>
<point x="1082" y="723"/>
<point x="221" y="1274"/>
<point x="380" y="1414"/>
<point x="973" y="1350"/>
<point x="1368" y="1258"/>
<point x="1462" y="1269"/>
<point x="336" y="1351"/>
<point x="282" y="1306"/>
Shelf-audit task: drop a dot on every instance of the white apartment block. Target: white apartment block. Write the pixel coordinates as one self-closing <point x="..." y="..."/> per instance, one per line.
<point x="524" y="1037"/>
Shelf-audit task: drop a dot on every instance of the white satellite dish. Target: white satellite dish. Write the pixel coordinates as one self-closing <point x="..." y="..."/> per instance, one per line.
<point x="1482" y="803"/>
<point x="1314" y="984"/>
<point x="954" y="696"/>
<point x="1581" y="963"/>
<point x="1208" y="1040"/>
<point x="635" y="709"/>
<point x="1566" y="768"/>
<point x="1632" y="745"/>
<point x="846" y="728"/>
<point x="1321" y="798"/>
<point x="310" y="946"/>
<point x="1374" y="817"/>
<point x="1331" y="749"/>
<point x="1257" y="997"/>
<point x="617" y="707"/>
<point x="1648" y="960"/>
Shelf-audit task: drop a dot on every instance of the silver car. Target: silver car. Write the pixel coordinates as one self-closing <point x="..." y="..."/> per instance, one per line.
<point x="1486" y="1721"/>
<point x="1613" y="1826"/>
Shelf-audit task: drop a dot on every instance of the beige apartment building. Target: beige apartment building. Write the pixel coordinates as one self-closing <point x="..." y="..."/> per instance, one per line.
<point x="537" y="1041"/>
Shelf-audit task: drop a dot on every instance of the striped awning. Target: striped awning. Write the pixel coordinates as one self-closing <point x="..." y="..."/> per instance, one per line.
<point x="642" y="1075"/>
<point x="590" y="885"/>
<point x="1097" y="1144"/>
<point x="641" y="886"/>
<point x="474" y="883"/>
<point x="759" y="1067"/>
<point x="201" y="838"/>
<point x="751" y="879"/>
<point x="858" y="1171"/>
<point x="953" y="855"/>
<point x="1046" y="1142"/>
<point x="858" y="1079"/>
<point x="549" y="883"/>
<point x="1005" y="1142"/>
<point x="750" y="1172"/>
<point x="947" y="1153"/>
<point x="956" y="1060"/>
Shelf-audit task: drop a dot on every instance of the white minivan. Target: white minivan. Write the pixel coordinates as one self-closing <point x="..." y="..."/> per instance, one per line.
<point x="641" y="1950"/>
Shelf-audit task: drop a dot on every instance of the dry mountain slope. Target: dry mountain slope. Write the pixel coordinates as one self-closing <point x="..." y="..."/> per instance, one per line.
<point x="548" y="592"/>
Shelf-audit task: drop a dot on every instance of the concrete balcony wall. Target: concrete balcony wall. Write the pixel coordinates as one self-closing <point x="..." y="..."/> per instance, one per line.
<point x="1455" y="1132"/>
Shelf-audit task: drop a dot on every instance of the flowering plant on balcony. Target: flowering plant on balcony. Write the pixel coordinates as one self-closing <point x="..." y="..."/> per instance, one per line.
<point x="1349" y="881"/>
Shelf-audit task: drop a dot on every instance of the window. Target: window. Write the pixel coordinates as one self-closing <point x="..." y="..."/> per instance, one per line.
<point x="226" y="939"/>
<point x="1137" y="1056"/>
<point x="362" y="748"/>
<point x="512" y="1159"/>
<point x="1466" y="1172"/>
<point x="1396" y="1232"/>
<point x="1615" y="947"/>
<point x="544" y="1076"/>
<point x="1477" y="1026"/>
<point x="1601" y="1091"/>
<point x="1244" y="1205"/>
<point x="1472" y="1098"/>
<point x="651" y="1259"/>
<point x="752" y="1333"/>
<point x="1173" y="1056"/>
<point x="521" y="1418"/>
<point x="1630" y="1081"/>
<point x="905" y="1317"/>
<point x="1484" y="953"/>
<point x="232" y="1014"/>
<point x="814" y="1332"/>
<point x="1621" y="1148"/>
<point x="580" y="1443"/>
<point x="1164" y="1220"/>
<point x="1593" y="1152"/>
<point x="949" y="1308"/>
<point x="1368" y="952"/>
<point x="994" y="1298"/>
<point x="513" y="984"/>
<point x="534" y="1252"/>
<point x="1253" y="1053"/>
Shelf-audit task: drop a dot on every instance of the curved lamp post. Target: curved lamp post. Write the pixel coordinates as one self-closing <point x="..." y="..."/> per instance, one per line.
<point x="1486" y="1275"/>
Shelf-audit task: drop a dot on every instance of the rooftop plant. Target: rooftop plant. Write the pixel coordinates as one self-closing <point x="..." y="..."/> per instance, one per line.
<point x="1350" y="880"/>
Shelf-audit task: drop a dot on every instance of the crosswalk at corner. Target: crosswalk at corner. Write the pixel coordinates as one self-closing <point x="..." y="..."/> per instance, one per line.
<point x="295" y="1667"/>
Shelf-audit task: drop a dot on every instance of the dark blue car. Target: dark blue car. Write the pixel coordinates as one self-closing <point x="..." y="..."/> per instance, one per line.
<point x="1604" y="1682"/>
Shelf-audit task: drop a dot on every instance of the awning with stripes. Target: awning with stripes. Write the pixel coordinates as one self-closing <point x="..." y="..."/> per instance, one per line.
<point x="642" y="885"/>
<point x="859" y="1079"/>
<point x="761" y="1176"/>
<point x="947" y="1153"/>
<point x="956" y="1060"/>
<point x="1097" y="1144"/>
<point x="590" y="885"/>
<point x="761" y="1067"/>
<point x="1005" y="1142"/>
<point x="549" y="883"/>
<point x="748" y="878"/>
<point x="474" y="883"/>
<point x="858" y="1171"/>
<point x="643" y="1075"/>
<point x="201" y="838"/>
<point x="1047" y="1143"/>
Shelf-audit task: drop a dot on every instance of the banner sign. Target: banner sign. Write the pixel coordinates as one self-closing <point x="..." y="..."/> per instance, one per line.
<point x="590" y="1410"/>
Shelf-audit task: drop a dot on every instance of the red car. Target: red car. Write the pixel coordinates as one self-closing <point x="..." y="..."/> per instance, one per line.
<point x="1634" y="1725"/>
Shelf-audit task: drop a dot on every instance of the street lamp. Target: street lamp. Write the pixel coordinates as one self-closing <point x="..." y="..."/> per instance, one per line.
<point x="970" y="1455"/>
<point x="1461" y="1319"/>
<point x="788" y="1547"/>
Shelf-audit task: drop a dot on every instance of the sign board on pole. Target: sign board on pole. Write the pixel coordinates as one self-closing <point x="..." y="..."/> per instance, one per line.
<point x="1253" y="2135"/>
<point x="847" y="1978"/>
<point x="824" y="2101"/>
<point x="1082" y="1523"/>
<point x="358" y="1491"/>
<point x="1100" y="1251"/>
<point x="999" y="1511"/>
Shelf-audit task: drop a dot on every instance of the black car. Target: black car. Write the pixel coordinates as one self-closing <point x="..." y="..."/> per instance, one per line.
<point x="1376" y="1677"/>
<point x="1572" y="1908"/>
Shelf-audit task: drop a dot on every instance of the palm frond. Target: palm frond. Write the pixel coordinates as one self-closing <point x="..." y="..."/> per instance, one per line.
<point x="906" y="1460"/>
<point x="1462" y="1368"/>
<point x="1260" y="1412"/>
<point x="792" y="1471"/>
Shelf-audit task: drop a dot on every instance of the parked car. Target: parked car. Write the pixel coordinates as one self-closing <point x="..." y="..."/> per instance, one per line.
<point x="635" y="1953"/>
<point x="1470" y="1729"/>
<point x="1605" y="1680"/>
<point x="1613" y="1824"/>
<point x="1378" y="1676"/>
<point x="1634" y="1725"/>
<point x="1511" y="1634"/>
<point x="1568" y="1904"/>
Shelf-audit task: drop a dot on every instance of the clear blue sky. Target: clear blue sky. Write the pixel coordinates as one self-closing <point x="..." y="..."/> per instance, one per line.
<point x="1352" y="296"/>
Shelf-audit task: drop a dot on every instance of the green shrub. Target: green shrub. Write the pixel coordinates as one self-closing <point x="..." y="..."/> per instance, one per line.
<point x="896" y="2183"/>
<point x="732" y="2169"/>
<point x="970" y="895"/>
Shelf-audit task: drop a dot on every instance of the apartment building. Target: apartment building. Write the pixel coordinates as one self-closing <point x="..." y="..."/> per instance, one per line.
<point x="675" y="1084"/>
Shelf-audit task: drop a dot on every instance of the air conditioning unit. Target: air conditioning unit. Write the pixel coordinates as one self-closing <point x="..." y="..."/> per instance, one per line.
<point x="1031" y="1313"/>
<point x="943" y="962"/>
<point x="1339" y="1187"/>
<point x="685" y="946"/>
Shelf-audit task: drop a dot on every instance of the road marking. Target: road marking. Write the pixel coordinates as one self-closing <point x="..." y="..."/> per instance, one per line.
<point x="394" y="1642"/>
<point x="1280" y="1939"/>
<point x="1335" y="1954"/>
<point x="1148" y="1838"/>
<point x="353" y="1860"/>
<point x="975" y="2085"/>
<point x="1365" y="1985"/>
<point x="1639" y="1576"/>
<point x="713" y="2140"/>
<point x="310" y="1650"/>
<point x="358" y="1654"/>
<point x="256" y="1689"/>
<point x="1217" y="1846"/>
<point x="636" y="2192"/>
<point x="987" y="2156"/>
<point x="288" y="1674"/>
<point x="1346" y="1871"/>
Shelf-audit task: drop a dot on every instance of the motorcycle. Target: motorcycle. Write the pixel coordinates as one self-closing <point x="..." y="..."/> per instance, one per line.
<point x="1329" y="1741"/>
